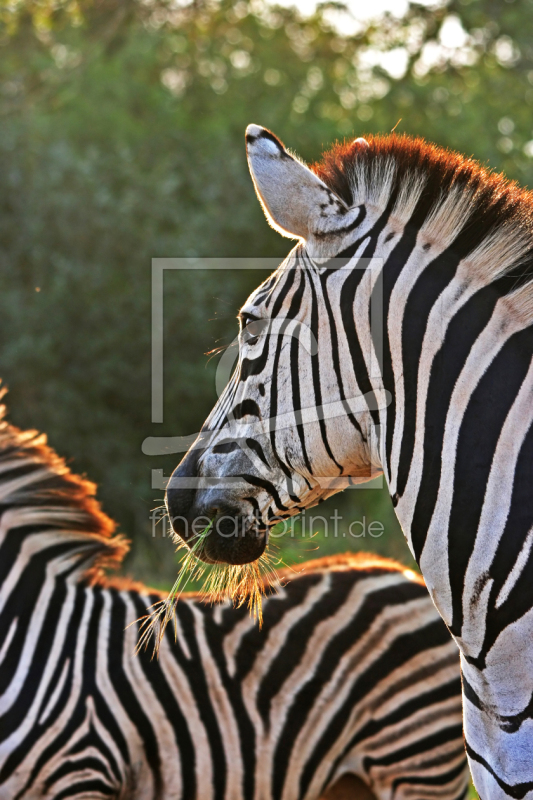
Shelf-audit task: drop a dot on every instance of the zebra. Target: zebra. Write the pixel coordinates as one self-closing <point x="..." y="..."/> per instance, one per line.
<point x="440" y="404"/>
<point x="350" y="690"/>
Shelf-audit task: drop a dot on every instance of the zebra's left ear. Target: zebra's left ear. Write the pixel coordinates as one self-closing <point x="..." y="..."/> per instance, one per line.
<point x="296" y="203"/>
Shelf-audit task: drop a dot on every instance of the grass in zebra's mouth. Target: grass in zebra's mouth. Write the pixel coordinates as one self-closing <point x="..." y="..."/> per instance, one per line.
<point x="240" y="583"/>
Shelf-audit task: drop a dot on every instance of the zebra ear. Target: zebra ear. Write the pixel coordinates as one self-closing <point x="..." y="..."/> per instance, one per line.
<point x="296" y="203"/>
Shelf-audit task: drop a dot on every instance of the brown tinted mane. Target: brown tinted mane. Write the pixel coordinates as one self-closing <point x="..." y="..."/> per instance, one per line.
<point x="496" y="202"/>
<point x="360" y="562"/>
<point x="67" y="501"/>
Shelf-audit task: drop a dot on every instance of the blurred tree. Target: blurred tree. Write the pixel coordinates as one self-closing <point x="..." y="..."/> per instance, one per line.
<point x="122" y="140"/>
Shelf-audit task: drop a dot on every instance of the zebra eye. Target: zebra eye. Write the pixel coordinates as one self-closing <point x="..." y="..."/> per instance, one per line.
<point x="251" y="328"/>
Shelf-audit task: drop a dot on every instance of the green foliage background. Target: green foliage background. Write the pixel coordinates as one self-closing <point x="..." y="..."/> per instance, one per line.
<point x="121" y="139"/>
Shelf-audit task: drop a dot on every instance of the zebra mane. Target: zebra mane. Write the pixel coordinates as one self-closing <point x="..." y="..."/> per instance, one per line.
<point x="444" y="194"/>
<point x="38" y="488"/>
<point x="342" y="562"/>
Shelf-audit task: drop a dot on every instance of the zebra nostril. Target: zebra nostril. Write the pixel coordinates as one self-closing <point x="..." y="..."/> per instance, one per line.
<point x="226" y="447"/>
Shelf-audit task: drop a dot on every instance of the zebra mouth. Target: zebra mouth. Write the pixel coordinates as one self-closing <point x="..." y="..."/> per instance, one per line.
<point x="231" y="539"/>
<point x="241" y="550"/>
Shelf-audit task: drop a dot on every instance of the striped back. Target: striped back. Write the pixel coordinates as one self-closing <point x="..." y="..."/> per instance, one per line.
<point x="353" y="673"/>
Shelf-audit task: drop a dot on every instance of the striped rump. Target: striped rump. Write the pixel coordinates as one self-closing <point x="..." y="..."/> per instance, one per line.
<point x="352" y="674"/>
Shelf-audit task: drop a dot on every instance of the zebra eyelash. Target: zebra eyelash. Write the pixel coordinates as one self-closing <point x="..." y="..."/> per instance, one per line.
<point x="245" y="319"/>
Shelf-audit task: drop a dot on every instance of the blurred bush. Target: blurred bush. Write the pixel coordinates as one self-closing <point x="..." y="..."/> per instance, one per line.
<point x="122" y="140"/>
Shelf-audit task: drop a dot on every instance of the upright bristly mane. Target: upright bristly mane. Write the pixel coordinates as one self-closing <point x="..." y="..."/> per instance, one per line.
<point x="442" y="193"/>
<point x="37" y="488"/>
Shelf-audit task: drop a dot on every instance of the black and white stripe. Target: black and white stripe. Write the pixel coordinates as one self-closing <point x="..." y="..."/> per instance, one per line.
<point x="353" y="672"/>
<point x="439" y="398"/>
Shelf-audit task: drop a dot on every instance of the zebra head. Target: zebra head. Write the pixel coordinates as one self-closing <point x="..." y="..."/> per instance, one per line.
<point x="288" y="431"/>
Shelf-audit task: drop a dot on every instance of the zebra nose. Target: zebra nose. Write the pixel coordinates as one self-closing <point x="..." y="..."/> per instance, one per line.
<point x="181" y="492"/>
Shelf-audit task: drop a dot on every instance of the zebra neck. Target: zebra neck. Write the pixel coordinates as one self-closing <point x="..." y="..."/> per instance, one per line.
<point x="455" y="358"/>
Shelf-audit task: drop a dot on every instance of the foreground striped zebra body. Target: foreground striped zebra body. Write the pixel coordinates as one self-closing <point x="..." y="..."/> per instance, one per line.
<point x="441" y="404"/>
<point x="353" y="672"/>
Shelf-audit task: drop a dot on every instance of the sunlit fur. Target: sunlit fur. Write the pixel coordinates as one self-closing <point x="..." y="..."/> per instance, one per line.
<point x="241" y="584"/>
<point x="352" y="675"/>
<point x="439" y="400"/>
